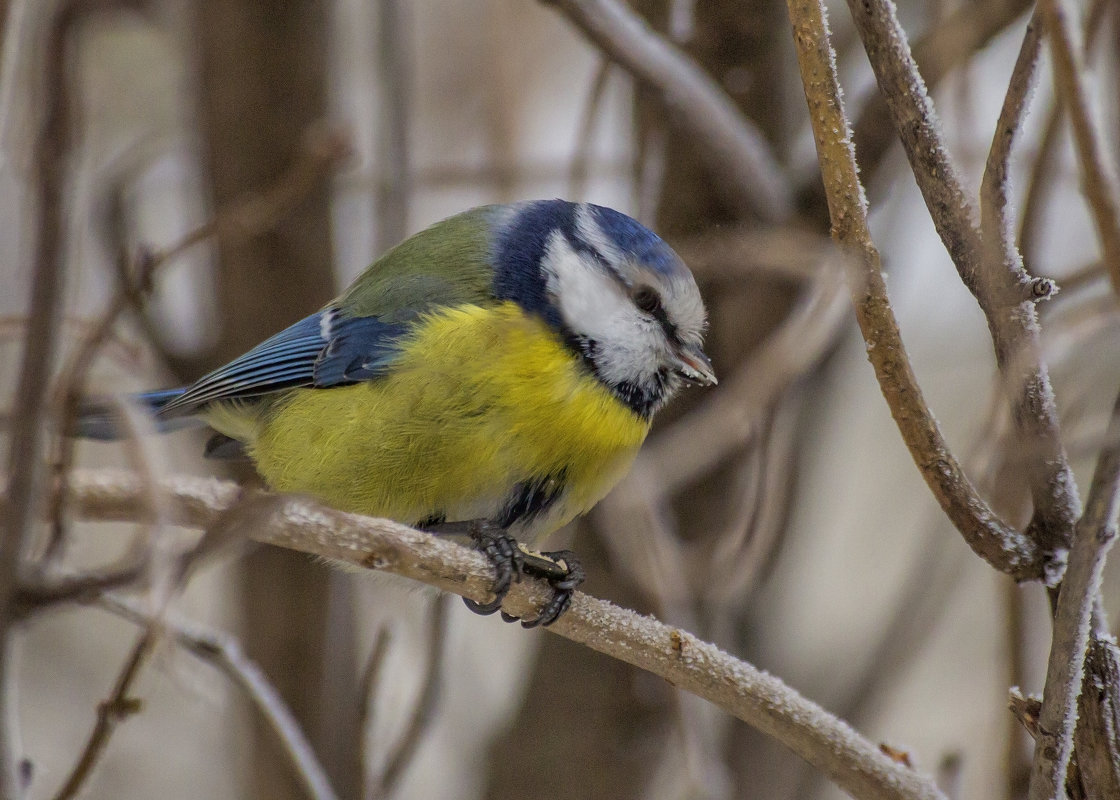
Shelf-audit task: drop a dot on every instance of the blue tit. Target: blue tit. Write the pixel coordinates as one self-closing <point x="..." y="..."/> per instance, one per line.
<point x="494" y="375"/>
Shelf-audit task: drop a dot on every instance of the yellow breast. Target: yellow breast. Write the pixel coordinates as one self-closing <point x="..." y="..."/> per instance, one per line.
<point x="480" y="401"/>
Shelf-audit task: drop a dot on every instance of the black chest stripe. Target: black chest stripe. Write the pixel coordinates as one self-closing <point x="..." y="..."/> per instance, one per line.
<point x="530" y="499"/>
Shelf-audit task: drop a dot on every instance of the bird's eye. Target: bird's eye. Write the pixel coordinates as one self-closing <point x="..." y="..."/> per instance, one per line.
<point x="646" y="299"/>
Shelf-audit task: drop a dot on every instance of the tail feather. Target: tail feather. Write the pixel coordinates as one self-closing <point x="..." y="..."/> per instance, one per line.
<point x="98" y="419"/>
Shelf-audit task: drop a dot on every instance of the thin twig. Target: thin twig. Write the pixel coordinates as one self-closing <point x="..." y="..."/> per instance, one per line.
<point x="110" y="712"/>
<point x="996" y="224"/>
<point x="1041" y="183"/>
<point x="52" y="154"/>
<point x="1017" y="765"/>
<point x="1005" y="293"/>
<point x="424" y="709"/>
<point x="728" y="420"/>
<point x="321" y="150"/>
<point x="1044" y="173"/>
<point x="367" y="693"/>
<point x="225" y="652"/>
<point x="1095" y="533"/>
<point x="1097" y="172"/>
<point x="395" y="70"/>
<point x="749" y="694"/>
<point x="992" y="539"/>
<point x="581" y="159"/>
<point x="732" y="145"/>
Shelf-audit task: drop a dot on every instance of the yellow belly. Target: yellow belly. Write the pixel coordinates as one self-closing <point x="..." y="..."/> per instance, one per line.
<point x="480" y="401"/>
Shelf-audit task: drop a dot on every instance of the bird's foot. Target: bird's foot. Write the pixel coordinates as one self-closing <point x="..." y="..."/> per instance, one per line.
<point x="562" y="570"/>
<point x="511" y="560"/>
<point x="507" y="558"/>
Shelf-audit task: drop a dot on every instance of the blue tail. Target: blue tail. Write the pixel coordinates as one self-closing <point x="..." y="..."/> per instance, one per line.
<point x="98" y="419"/>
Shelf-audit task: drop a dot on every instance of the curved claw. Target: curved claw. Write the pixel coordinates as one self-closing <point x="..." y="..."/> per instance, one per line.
<point x="560" y="568"/>
<point x="562" y="588"/>
<point x="485" y="609"/>
<point x="502" y="552"/>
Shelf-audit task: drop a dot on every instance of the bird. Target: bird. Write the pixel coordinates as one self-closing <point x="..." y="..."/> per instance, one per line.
<point x="492" y="377"/>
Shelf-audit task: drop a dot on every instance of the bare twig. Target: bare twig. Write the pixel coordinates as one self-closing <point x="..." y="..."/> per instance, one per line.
<point x="1017" y="764"/>
<point x="581" y="159"/>
<point x="995" y="214"/>
<point x="395" y="53"/>
<point x="424" y="709"/>
<point x="367" y="692"/>
<point x="52" y="154"/>
<point x="1095" y="533"/>
<point x="1040" y="188"/>
<point x="1005" y="293"/>
<point x="225" y="652"/>
<point x="109" y="713"/>
<point x="732" y="146"/>
<point x="322" y="149"/>
<point x="1044" y="173"/>
<point x="679" y="657"/>
<point x="1097" y="172"/>
<point x="728" y="419"/>
<point x="996" y="542"/>
<point x="939" y="51"/>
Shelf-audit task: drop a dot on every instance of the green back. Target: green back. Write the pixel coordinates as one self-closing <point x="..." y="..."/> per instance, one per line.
<point x="446" y="264"/>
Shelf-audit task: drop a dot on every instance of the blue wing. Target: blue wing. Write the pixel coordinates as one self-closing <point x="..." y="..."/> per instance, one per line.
<point x="324" y="350"/>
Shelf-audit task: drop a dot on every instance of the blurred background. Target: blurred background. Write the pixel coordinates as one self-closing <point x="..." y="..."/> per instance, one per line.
<point x="778" y="515"/>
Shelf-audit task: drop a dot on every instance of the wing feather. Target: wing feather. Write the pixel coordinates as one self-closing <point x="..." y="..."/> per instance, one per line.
<point x="323" y="350"/>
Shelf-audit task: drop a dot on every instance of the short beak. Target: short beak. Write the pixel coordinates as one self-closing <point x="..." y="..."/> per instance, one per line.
<point x="695" y="367"/>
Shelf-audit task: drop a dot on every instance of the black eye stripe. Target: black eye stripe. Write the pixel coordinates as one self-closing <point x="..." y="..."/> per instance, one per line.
<point x="648" y="300"/>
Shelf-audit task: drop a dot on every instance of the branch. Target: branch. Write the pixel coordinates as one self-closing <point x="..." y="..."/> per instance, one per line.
<point x="1005" y="293"/>
<point x="52" y="152"/>
<point x="226" y="654"/>
<point x="1097" y="172"/>
<point x="1095" y="534"/>
<point x="423" y="711"/>
<point x="109" y="713"/>
<point x="1097" y="738"/>
<point x="941" y="50"/>
<point x="749" y="694"/>
<point x="733" y="148"/>
<point x="992" y="539"/>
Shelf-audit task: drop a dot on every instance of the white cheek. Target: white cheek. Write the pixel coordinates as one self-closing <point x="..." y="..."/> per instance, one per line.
<point x="590" y="301"/>
<point x="594" y="305"/>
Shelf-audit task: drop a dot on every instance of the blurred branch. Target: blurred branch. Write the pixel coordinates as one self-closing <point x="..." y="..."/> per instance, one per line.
<point x="225" y="652"/>
<point x="424" y="709"/>
<point x="731" y="144"/>
<point x="110" y="712"/>
<point x="728" y="419"/>
<point x="1093" y="537"/>
<point x="680" y="658"/>
<point x="1005" y="293"/>
<point x="580" y="169"/>
<point x="52" y="155"/>
<point x="1097" y="173"/>
<point x="991" y="538"/>
<point x="322" y="150"/>
<point x="1044" y="172"/>
<point x="1041" y="184"/>
<point x="395" y="68"/>
<point x="367" y="693"/>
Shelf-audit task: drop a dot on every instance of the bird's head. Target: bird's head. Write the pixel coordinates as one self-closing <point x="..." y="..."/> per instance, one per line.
<point x="613" y="290"/>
